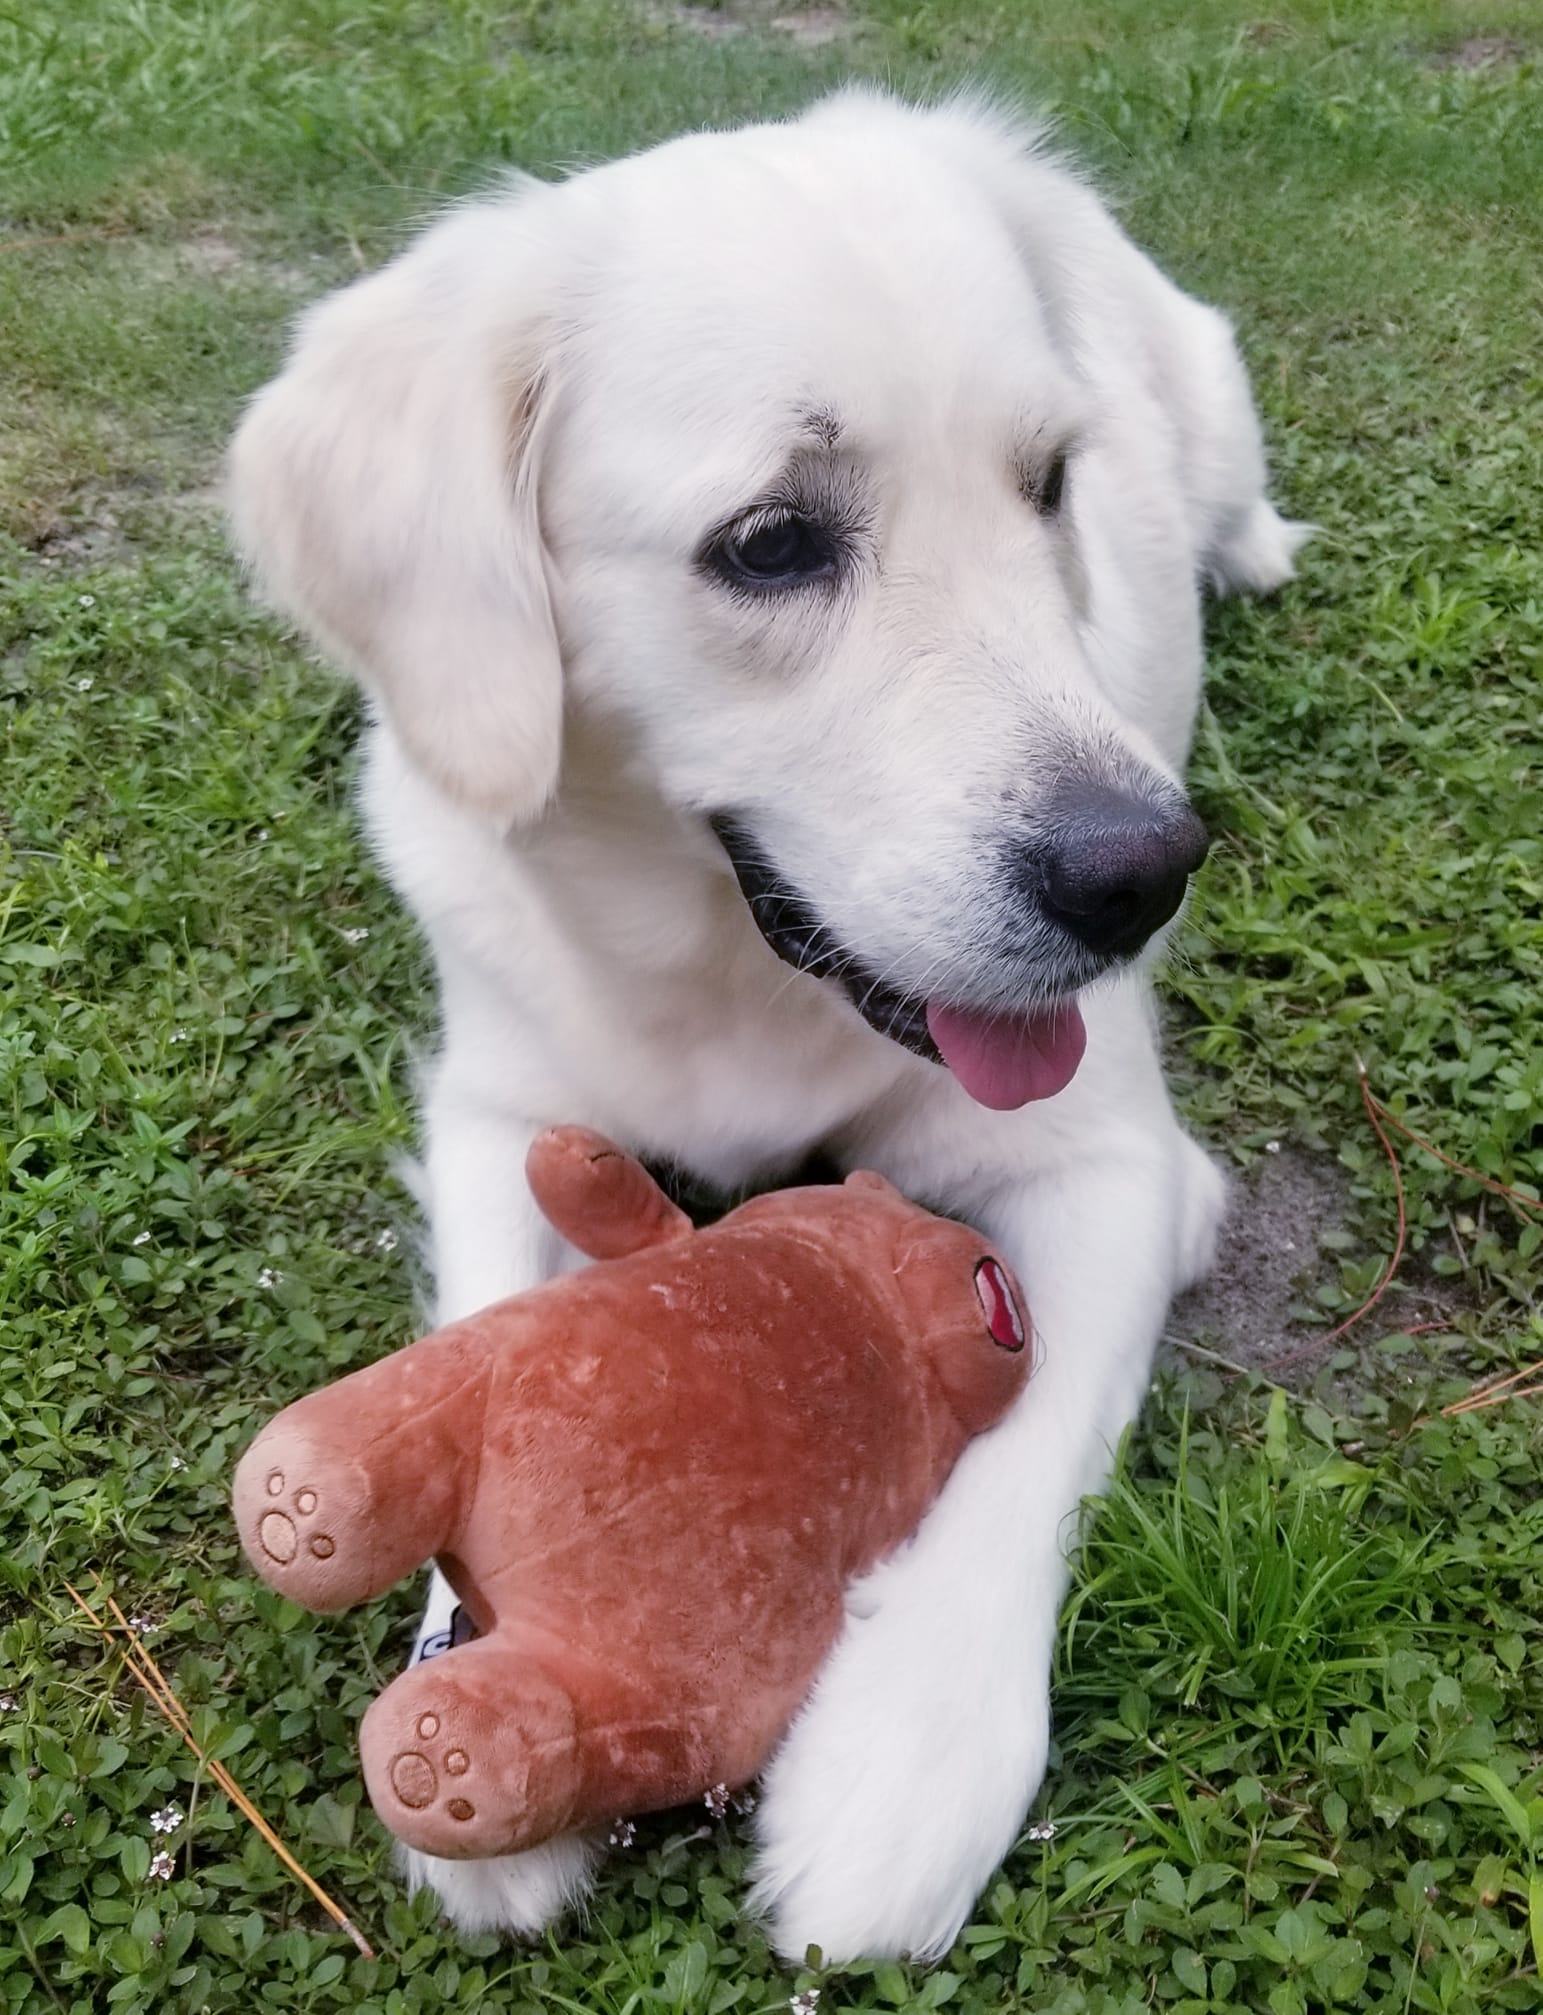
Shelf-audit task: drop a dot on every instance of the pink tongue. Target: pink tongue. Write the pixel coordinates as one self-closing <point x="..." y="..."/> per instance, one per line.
<point x="1004" y="1061"/>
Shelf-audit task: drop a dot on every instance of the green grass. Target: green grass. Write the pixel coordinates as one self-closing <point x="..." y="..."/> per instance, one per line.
<point x="1300" y="1710"/>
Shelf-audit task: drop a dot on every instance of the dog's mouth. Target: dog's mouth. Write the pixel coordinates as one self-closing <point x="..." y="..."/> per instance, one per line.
<point x="789" y="924"/>
<point x="1001" y="1060"/>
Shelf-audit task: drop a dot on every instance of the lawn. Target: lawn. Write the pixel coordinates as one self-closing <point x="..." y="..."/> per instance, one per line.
<point x="1300" y="1711"/>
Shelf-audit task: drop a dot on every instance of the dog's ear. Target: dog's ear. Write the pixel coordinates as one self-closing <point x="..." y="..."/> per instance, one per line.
<point x="383" y="488"/>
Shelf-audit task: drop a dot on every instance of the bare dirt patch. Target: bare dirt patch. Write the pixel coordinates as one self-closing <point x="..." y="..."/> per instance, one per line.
<point x="1477" y="52"/>
<point x="1272" y="1257"/>
<point x="81" y="541"/>
<point x="810" y="27"/>
<point x="1258" y="1305"/>
<point x="814" y="27"/>
<point x="108" y="526"/>
<point x="210" y="251"/>
<point x="715" y="24"/>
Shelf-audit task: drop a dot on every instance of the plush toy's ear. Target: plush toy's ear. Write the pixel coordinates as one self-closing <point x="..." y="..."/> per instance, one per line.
<point x="383" y="488"/>
<point x="971" y="1320"/>
<point x="598" y="1197"/>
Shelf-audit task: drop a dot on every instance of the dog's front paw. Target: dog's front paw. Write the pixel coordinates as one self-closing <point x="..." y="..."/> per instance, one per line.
<point x="904" y="1783"/>
<point x="518" y="1893"/>
<point x="1202" y="1190"/>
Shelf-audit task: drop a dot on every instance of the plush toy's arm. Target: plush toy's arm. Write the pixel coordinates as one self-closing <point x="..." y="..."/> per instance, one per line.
<point x="351" y="1488"/>
<point x="599" y="1198"/>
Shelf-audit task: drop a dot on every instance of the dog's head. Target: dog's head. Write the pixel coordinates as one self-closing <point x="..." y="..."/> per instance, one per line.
<point x="765" y="452"/>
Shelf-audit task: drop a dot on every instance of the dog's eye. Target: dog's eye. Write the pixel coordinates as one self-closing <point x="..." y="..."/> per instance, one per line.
<point x="1046" y="492"/>
<point x="775" y="551"/>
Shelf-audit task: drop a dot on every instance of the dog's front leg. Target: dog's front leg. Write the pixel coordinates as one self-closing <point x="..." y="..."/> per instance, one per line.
<point x="489" y="1240"/>
<point x="905" y="1781"/>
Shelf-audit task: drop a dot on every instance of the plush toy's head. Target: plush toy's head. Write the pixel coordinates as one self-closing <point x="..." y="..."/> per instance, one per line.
<point x="953" y="1294"/>
<point x="649" y="1482"/>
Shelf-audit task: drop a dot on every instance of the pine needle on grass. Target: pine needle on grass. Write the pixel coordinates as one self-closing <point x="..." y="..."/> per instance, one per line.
<point x="150" y="1676"/>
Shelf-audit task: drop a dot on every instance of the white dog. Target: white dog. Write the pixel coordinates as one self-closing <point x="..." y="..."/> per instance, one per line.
<point x="775" y="560"/>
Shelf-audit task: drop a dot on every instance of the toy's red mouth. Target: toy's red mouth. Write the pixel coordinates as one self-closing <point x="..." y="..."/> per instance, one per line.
<point x="1001" y="1060"/>
<point x="999" y="1305"/>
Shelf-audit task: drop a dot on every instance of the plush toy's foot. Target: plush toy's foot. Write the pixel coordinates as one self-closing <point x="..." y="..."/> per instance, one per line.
<point x="305" y="1518"/>
<point x="471" y="1754"/>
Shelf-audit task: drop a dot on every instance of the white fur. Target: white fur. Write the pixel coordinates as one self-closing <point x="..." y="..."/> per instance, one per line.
<point x="481" y="482"/>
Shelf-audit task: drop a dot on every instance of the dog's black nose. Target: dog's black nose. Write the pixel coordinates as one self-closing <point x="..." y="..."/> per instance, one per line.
<point x="1117" y="866"/>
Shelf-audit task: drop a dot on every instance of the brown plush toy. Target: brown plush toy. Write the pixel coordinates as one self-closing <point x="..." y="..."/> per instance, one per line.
<point x="648" y="1482"/>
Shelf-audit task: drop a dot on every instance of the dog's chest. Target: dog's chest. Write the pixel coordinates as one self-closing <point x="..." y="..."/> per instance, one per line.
<point x="737" y="1086"/>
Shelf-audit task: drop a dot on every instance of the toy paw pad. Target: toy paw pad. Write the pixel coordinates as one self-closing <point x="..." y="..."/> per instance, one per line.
<point x="281" y="1533"/>
<point x="416" y="1781"/>
<point x="433" y="1783"/>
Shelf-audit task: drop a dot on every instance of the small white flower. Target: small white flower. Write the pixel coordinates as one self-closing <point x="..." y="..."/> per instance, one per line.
<point x="162" y="1868"/>
<point x="167" y="1820"/>
<point x="717" y="1800"/>
<point x="84" y="685"/>
<point x="8" y="1703"/>
<point x="386" y="1241"/>
<point x="270" y="1276"/>
<point x="805" y="2003"/>
<point x="1272" y="1147"/>
<point x="141" y="1238"/>
<point x="88" y="601"/>
<point x="179" y="1035"/>
<point x="144" y="1626"/>
<point x="623" y="1833"/>
<point x="178" y="1463"/>
<point x="1042" y="1829"/>
<point x="262" y="832"/>
<point x="355" y="934"/>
